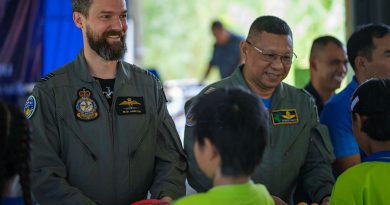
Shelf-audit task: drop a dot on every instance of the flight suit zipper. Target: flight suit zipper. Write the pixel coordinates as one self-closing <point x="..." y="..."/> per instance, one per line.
<point x="108" y="110"/>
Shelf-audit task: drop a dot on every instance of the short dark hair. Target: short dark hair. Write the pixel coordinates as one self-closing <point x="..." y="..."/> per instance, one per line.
<point x="270" y="24"/>
<point x="81" y="6"/>
<point x="361" y="41"/>
<point x="236" y="122"/>
<point x="216" y="25"/>
<point x="372" y="99"/>
<point x="322" y="41"/>
<point x="14" y="148"/>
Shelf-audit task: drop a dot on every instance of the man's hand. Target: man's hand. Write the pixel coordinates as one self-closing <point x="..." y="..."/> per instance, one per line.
<point x="167" y="199"/>
<point x="325" y="201"/>
<point x="278" y="201"/>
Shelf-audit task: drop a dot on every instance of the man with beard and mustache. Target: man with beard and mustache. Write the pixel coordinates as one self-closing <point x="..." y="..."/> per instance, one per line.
<point x="101" y="130"/>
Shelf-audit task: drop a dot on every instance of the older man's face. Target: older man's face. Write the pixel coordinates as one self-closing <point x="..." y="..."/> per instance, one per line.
<point x="262" y="70"/>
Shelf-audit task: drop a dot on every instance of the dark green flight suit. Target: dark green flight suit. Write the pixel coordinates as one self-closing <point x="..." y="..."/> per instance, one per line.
<point x="86" y="152"/>
<point x="299" y="147"/>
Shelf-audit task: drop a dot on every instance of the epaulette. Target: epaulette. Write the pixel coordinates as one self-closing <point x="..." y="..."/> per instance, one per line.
<point x="306" y="92"/>
<point x="153" y="76"/>
<point x="47" y="77"/>
<point x="209" y="90"/>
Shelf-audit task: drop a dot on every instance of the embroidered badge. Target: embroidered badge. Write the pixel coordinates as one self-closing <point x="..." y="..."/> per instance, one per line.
<point x="190" y="121"/>
<point x="30" y="106"/>
<point x="86" y="107"/>
<point x="108" y="93"/>
<point x="130" y="105"/>
<point x="284" y="117"/>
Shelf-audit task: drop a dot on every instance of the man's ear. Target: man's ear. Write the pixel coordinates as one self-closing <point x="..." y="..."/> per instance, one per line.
<point x="360" y="63"/>
<point x="313" y="65"/>
<point x="244" y="50"/>
<point x="78" y="19"/>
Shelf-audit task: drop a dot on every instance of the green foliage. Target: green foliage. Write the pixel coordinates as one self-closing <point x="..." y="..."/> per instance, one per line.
<point x="178" y="40"/>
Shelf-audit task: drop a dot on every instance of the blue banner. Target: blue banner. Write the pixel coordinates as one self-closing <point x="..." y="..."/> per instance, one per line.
<point x="21" y="47"/>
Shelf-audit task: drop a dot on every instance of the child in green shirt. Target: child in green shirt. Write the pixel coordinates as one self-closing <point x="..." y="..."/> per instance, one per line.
<point x="230" y="130"/>
<point x="367" y="183"/>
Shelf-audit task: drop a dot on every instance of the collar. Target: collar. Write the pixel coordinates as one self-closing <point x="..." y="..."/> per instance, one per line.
<point x="383" y="156"/>
<point x="80" y="69"/>
<point x="238" y="78"/>
<point x="310" y="88"/>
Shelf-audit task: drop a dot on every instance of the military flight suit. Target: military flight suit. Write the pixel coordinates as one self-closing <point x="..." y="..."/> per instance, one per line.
<point x="298" y="146"/>
<point x="86" y="152"/>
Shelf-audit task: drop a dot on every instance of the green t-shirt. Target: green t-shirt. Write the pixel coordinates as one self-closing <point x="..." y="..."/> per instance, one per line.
<point x="237" y="194"/>
<point x="365" y="183"/>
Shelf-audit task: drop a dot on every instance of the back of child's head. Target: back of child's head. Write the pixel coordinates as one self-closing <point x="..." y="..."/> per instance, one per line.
<point x="236" y="122"/>
<point x="14" y="148"/>
<point x="372" y="100"/>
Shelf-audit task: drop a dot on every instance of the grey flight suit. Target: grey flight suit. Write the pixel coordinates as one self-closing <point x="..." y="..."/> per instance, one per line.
<point x="86" y="152"/>
<point x="298" y="146"/>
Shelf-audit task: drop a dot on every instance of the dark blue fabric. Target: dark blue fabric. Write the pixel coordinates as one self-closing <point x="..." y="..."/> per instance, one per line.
<point x="337" y="116"/>
<point x="62" y="39"/>
<point x="227" y="56"/>
<point x="378" y="157"/>
<point x="11" y="201"/>
<point x="320" y="105"/>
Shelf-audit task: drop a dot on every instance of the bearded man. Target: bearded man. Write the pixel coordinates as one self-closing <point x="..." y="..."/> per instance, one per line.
<point x="101" y="130"/>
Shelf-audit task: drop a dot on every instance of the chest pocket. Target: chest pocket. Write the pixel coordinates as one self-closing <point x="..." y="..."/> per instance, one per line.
<point x="135" y="129"/>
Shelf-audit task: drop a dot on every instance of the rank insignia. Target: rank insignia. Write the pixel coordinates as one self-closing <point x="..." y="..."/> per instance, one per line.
<point x="130" y="105"/>
<point x="284" y="116"/>
<point x="86" y="107"/>
<point x="30" y="106"/>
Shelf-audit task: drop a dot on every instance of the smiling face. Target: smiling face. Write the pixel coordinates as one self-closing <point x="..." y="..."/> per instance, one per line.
<point x="379" y="64"/>
<point x="105" y="27"/>
<point x="262" y="74"/>
<point x="329" y="66"/>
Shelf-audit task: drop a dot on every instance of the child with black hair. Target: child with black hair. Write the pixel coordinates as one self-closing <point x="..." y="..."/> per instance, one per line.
<point x="14" y="157"/>
<point x="367" y="183"/>
<point x="230" y="130"/>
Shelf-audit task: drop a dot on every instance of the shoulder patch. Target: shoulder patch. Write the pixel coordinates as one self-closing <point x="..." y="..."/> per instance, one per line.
<point x="47" y="77"/>
<point x="30" y="106"/>
<point x="190" y="119"/>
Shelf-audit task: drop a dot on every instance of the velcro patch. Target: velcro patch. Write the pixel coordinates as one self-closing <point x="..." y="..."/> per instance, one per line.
<point x="284" y="116"/>
<point x="30" y="106"/>
<point x="130" y="105"/>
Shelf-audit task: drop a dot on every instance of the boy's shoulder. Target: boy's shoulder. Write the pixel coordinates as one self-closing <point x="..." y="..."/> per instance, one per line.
<point x="194" y="199"/>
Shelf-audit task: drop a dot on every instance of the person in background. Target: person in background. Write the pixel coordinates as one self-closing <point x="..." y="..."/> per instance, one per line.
<point x="328" y="66"/>
<point x="299" y="146"/>
<point x="230" y="131"/>
<point x="226" y="52"/>
<point x="14" y="157"/>
<point x="368" y="51"/>
<point x="102" y="133"/>
<point x="367" y="182"/>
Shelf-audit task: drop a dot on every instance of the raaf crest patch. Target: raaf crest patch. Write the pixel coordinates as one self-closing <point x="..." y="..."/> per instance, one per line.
<point x="85" y="106"/>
